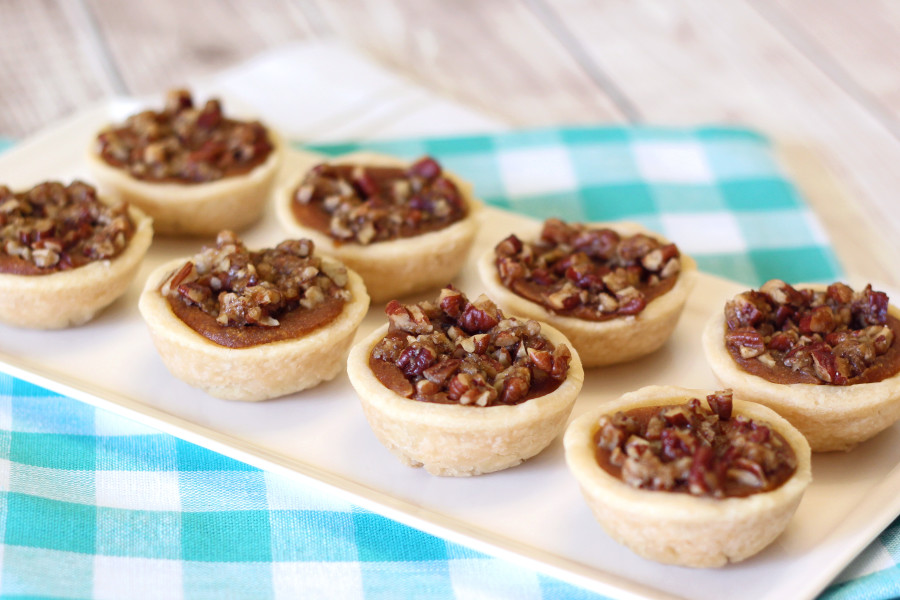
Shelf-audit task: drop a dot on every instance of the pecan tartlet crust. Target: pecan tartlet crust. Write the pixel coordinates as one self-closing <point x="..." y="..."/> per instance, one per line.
<point x="256" y="372"/>
<point x="70" y="296"/>
<point x="396" y="267"/>
<point x="191" y="208"/>
<point x="465" y="436"/>
<point x="607" y="342"/>
<point x="832" y="417"/>
<point x="681" y="528"/>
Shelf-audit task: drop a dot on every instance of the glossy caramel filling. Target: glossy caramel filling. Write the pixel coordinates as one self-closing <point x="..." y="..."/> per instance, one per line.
<point x="292" y="325"/>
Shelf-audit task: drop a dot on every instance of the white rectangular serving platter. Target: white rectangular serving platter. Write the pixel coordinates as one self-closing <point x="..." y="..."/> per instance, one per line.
<point x="533" y="513"/>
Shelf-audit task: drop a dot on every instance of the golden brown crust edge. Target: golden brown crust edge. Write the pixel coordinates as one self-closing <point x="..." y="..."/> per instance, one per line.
<point x="259" y="372"/>
<point x="607" y="342"/>
<point x="831" y="417"/>
<point x="400" y="267"/>
<point x="455" y="440"/>
<point x="74" y="297"/>
<point x="676" y="528"/>
<point x="194" y="209"/>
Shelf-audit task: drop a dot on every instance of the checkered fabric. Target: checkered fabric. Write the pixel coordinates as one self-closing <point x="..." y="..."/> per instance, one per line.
<point x="96" y="506"/>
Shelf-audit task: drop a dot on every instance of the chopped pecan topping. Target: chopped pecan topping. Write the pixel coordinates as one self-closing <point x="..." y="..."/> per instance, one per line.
<point x="457" y="351"/>
<point x="695" y="450"/>
<point x="184" y="143"/>
<point x="54" y="227"/>
<point x="364" y="205"/>
<point x="593" y="274"/>
<point x="832" y="337"/>
<point x="240" y="288"/>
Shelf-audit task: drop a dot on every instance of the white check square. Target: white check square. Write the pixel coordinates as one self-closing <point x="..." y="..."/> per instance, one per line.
<point x="672" y="162"/>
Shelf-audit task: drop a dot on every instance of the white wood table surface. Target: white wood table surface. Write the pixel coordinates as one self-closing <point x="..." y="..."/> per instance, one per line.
<point x="818" y="76"/>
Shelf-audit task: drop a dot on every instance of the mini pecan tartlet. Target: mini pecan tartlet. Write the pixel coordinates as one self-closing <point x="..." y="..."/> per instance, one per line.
<point x="826" y="358"/>
<point x="403" y="226"/>
<point x="253" y="325"/>
<point x="685" y="483"/>
<point x="615" y="290"/>
<point x="459" y="388"/>
<point x="65" y="253"/>
<point x="192" y="169"/>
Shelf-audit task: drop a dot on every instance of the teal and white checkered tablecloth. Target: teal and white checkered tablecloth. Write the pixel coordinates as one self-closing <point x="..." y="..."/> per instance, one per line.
<point x="95" y="506"/>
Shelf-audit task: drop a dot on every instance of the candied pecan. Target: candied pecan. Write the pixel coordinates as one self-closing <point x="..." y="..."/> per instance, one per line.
<point x="747" y="340"/>
<point x="833" y="336"/>
<point x="481" y="315"/>
<point x="721" y="403"/>
<point x="185" y="144"/>
<point x="408" y="318"/>
<point x="416" y="358"/>
<point x="746" y="309"/>
<point x="470" y="350"/>
<point x="510" y="246"/>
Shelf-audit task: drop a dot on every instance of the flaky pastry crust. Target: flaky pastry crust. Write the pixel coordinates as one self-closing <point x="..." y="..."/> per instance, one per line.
<point x="395" y="268"/>
<point x="678" y="528"/>
<point x="258" y="372"/>
<point x="601" y="343"/>
<point x="832" y="417"/>
<point x="456" y="440"/>
<point x="73" y="297"/>
<point x="199" y="209"/>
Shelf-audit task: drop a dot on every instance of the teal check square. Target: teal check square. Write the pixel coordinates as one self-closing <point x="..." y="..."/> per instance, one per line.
<point x="54" y="451"/>
<point x="380" y="539"/>
<point x="324" y="535"/>
<point x="472" y="145"/>
<point x="196" y="458"/>
<point x="796" y="265"/>
<point x="43" y="523"/>
<point x="616" y="202"/>
<point x="227" y="536"/>
<point x="759" y="194"/>
<point x="10" y="386"/>
<point x="609" y="136"/>
<point x="143" y="533"/>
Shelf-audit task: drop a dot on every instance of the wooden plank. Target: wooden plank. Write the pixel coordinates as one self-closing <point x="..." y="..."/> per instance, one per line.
<point x="692" y="61"/>
<point x="50" y="66"/>
<point x="496" y="56"/>
<point x="854" y="43"/>
<point x="159" y="45"/>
